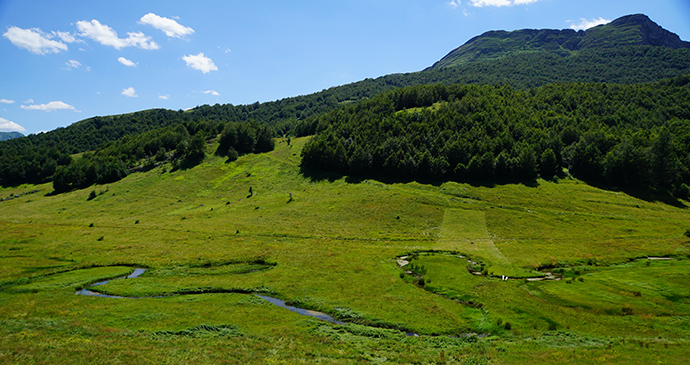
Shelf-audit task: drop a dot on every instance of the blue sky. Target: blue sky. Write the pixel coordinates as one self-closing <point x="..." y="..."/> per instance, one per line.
<point x="64" y="61"/>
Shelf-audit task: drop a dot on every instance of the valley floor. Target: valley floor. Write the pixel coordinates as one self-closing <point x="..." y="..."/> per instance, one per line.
<point x="619" y="268"/>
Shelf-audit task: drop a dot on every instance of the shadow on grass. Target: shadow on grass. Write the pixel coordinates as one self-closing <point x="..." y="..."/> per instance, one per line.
<point x="189" y="162"/>
<point x="649" y="194"/>
<point x="646" y="194"/>
<point x="320" y="175"/>
<point x="652" y="196"/>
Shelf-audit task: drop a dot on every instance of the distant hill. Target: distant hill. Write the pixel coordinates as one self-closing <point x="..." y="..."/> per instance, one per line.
<point x="630" y="50"/>
<point x="631" y="30"/>
<point x="5" y="136"/>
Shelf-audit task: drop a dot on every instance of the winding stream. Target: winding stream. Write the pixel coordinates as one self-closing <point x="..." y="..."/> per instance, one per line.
<point x="280" y="303"/>
<point x="302" y="311"/>
<point x="137" y="272"/>
<point x="277" y="302"/>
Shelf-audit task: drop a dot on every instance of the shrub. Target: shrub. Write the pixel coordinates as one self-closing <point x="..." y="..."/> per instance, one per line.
<point x="508" y="326"/>
<point x="232" y="155"/>
<point x="93" y="195"/>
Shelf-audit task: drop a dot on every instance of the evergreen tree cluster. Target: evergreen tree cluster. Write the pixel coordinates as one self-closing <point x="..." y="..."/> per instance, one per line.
<point x="36" y="158"/>
<point x="182" y="144"/>
<point x="625" y="135"/>
<point x="243" y="138"/>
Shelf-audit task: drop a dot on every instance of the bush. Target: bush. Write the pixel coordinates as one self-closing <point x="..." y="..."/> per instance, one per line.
<point x="93" y="195"/>
<point x="232" y="155"/>
<point x="508" y="326"/>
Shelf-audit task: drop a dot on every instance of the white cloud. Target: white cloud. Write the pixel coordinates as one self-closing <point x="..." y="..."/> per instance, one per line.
<point x="129" y="92"/>
<point x="107" y="36"/>
<point x="52" y="106"/>
<point x="29" y="101"/>
<point x="212" y="92"/>
<point x="33" y="40"/>
<point x="586" y="24"/>
<point x="72" y="64"/>
<point x="5" y="101"/>
<point x="454" y="4"/>
<point x="127" y="62"/>
<point x="164" y="97"/>
<point x="200" y="62"/>
<point x="9" y="126"/>
<point x="170" y="27"/>
<point x="482" y="3"/>
<point x="66" y="37"/>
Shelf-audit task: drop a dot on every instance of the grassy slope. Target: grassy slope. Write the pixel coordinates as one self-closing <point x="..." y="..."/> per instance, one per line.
<point x="335" y="246"/>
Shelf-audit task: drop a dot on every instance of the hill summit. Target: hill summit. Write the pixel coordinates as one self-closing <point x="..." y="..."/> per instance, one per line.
<point x="5" y="136"/>
<point x="629" y="30"/>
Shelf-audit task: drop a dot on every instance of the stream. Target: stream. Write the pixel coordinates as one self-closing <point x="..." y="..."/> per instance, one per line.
<point x="280" y="303"/>
<point x="277" y="302"/>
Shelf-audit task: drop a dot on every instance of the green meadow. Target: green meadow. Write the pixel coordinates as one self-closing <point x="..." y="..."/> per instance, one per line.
<point x="212" y="236"/>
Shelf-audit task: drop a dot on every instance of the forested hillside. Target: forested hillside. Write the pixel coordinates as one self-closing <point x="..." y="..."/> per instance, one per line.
<point x="184" y="145"/>
<point x="627" y="51"/>
<point x="623" y="135"/>
<point x="629" y="30"/>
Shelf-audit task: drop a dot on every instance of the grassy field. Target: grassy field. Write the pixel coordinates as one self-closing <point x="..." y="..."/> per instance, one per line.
<point x="331" y="245"/>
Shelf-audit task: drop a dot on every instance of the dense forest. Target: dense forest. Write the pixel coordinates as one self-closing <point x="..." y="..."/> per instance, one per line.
<point x="528" y="60"/>
<point x="623" y="135"/>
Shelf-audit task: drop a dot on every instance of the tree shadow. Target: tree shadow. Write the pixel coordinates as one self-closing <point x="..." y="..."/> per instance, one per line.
<point x="318" y="175"/>
<point x="653" y="196"/>
<point x="648" y="194"/>
<point x="189" y="162"/>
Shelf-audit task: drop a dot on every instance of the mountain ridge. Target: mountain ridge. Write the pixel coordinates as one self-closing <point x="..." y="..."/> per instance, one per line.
<point x="6" y="136"/>
<point x="550" y="60"/>
<point x="629" y="30"/>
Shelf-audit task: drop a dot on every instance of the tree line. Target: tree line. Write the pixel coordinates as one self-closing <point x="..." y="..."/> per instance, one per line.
<point x="35" y="158"/>
<point x="183" y="145"/>
<point x="624" y="135"/>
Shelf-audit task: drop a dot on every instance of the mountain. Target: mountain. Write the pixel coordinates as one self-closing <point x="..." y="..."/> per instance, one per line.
<point x="630" y="50"/>
<point x="6" y="136"/>
<point x="630" y="30"/>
